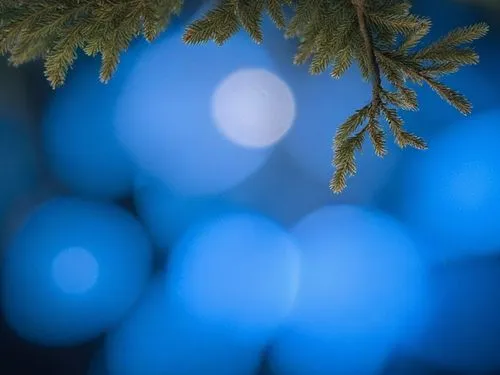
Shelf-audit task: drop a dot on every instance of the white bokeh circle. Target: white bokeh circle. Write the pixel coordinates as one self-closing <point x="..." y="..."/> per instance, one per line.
<point x="253" y="108"/>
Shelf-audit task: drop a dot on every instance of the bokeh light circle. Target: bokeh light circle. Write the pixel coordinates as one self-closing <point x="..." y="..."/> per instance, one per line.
<point x="253" y="107"/>
<point x="79" y="138"/>
<point x="167" y="126"/>
<point x="238" y="269"/>
<point x="73" y="270"/>
<point x="450" y="193"/>
<point x="361" y="292"/>
<point x="162" y="337"/>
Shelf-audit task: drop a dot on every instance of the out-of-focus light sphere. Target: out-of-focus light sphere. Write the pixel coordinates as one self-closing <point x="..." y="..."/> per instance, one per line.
<point x="79" y="138"/>
<point x="241" y="269"/>
<point x="75" y="270"/>
<point x="362" y="291"/>
<point x="184" y="121"/>
<point x="162" y="337"/>
<point x="450" y="193"/>
<point x="253" y="107"/>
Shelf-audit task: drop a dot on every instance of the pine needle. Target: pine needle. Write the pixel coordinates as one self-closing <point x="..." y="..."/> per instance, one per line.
<point x="383" y="37"/>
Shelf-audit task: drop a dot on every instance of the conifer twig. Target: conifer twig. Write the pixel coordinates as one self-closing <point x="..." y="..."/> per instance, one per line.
<point x="359" y="5"/>
<point x="399" y="63"/>
<point x="381" y="36"/>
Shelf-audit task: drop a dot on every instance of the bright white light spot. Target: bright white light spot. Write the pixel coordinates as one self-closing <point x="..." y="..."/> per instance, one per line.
<point x="75" y="270"/>
<point x="253" y="108"/>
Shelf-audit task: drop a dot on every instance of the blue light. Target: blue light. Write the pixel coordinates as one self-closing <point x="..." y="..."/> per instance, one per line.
<point x="450" y="193"/>
<point x="167" y="123"/>
<point x="18" y="165"/>
<point x="73" y="270"/>
<point x="239" y="270"/>
<point x="361" y="293"/>
<point x="79" y="137"/>
<point x="161" y="337"/>
<point x="464" y="330"/>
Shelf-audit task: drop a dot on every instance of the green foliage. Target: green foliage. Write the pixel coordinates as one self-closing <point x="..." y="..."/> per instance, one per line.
<point x="382" y="37"/>
<point x="55" y="29"/>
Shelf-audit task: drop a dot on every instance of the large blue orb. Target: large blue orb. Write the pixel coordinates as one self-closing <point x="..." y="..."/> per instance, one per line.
<point x="168" y="123"/>
<point x="241" y="270"/>
<point x="161" y="337"/>
<point x="78" y="133"/>
<point x="73" y="270"/>
<point x="450" y="193"/>
<point x="361" y="292"/>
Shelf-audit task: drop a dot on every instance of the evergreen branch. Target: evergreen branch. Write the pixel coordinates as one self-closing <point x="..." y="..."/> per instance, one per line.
<point x="381" y="36"/>
<point x="456" y="38"/>
<point x="399" y="63"/>
<point x="55" y="30"/>
<point x="225" y="19"/>
<point x="402" y="137"/>
<point x="342" y="159"/>
<point x="306" y="14"/>
<point x="451" y="96"/>
<point x="275" y="11"/>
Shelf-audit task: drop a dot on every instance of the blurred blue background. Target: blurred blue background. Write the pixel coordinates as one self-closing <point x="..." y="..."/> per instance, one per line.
<point x="178" y="221"/>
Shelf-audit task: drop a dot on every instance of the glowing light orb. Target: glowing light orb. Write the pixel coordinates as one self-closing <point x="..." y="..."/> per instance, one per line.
<point x="73" y="270"/>
<point x="253" y="108"/>
<point x="241" y="270"/>
<point x="450" y="193"/>
<point x="167" y="124"/>
<point x="361" y="291"/>
<point x="162" y="337"/>
<point x="79" y="138"/>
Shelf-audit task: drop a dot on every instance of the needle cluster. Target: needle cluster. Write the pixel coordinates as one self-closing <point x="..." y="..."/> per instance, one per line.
<point x="383" y="37"/>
